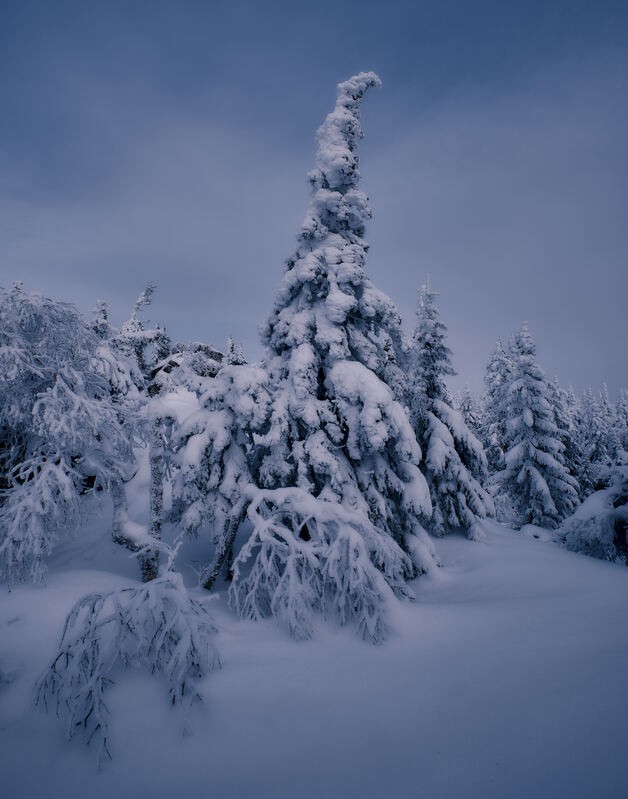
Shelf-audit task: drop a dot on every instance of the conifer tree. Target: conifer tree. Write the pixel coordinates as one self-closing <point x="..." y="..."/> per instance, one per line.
<point x="622" y="420"/>
<point x="470" y="411"/>
<point x="454" y="458"/>
<point x="600" y="438"/>
<point x="342" y="495"/>
<point x="216" y="458"/>
<point x="496" y="379"/>
<point x="564" y="404"/>
<point x="535" y="480"/>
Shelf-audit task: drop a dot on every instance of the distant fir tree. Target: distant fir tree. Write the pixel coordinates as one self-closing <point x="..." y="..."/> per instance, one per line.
<point x="470" y="411"/>
<point x="610" y="425"/>
<point x="337" y="523"/>
<point x="622" y="419"/>
<point x="600" y="438"/>
<point x="535" y="481"/>
<point x="565" y="407"/>
<point x="455" y="463"/>
<point x="234" y="354"/>
<point x="498" y="372"/>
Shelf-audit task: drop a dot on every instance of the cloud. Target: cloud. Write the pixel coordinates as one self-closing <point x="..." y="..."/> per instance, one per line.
<point x="510" y="193"/>
<point x="514" y="203"/>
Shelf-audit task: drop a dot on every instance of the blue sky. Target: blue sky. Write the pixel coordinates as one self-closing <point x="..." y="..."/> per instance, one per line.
<point x="169" y="141"/>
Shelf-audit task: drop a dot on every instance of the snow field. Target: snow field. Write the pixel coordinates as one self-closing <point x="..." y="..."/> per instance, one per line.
<point x="506" y="678"/>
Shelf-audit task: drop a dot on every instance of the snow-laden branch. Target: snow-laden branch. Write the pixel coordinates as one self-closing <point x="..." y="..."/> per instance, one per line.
<point x="156" y="626"/>
<point x="307" y="556"/>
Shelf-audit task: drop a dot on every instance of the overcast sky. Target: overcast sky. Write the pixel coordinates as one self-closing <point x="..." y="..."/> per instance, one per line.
<point x="169" y="142"/>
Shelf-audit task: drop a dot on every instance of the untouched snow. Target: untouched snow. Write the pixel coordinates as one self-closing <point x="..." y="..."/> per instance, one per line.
<point x="506" y="679"/>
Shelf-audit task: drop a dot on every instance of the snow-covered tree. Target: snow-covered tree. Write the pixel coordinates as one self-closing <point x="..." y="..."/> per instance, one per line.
<point x="600" y="437"/>
<point x="610" y="425"/>
<point x="564" y="404"/>
<point x="454" y="458"/>
<point x="535" y="480"/>
<point x="337" y="436"/>
<point x="60" y="432"/>
<point x="622" y="418"/>
<point x="216" y="459"/>
<point x="496" y="379"/>
<point x="470" y="411"/>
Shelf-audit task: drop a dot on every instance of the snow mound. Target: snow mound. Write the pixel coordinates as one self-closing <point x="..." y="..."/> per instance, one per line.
<point x="598" y="527"/>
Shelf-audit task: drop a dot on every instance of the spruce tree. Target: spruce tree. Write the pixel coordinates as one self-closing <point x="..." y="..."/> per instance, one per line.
<point x="564" y="404"/>
<point x="622" y="421"/>
<point x="600" y="434"/>
<point x="342" y="496"/>
<point x="497" y="375"/>
<point x="470" y="411"/>
<point x="454" y="458"/>
<point x="535" y="480"/>
<point x="216" y="459"/>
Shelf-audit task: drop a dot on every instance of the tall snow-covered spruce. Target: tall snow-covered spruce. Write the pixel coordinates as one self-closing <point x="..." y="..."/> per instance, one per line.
<point x="454" y="458"/>
<point x="337" y="518"/>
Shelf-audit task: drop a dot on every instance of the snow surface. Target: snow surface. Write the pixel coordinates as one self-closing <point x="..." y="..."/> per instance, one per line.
<point x="507" y="678"/>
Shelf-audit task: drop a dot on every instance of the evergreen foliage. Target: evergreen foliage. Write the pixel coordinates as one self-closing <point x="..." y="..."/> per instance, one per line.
<point x="454" y="458"/>
<point x="565" y="408"/>
<point x="216" y="460"/>
<point x="336" y="432"/>
<point x="535" y="480"/>
<point x="498" y="371"/>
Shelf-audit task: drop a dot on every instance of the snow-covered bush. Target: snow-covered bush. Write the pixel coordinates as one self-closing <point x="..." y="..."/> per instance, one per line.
<point x="599" y="526"/>
<point x="157" y="626"/>
<point x="60" y="430"/>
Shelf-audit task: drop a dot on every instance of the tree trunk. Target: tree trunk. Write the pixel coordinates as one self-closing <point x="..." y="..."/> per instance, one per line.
<point x="224" y="549"/>
<point x="150" y="561"/>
